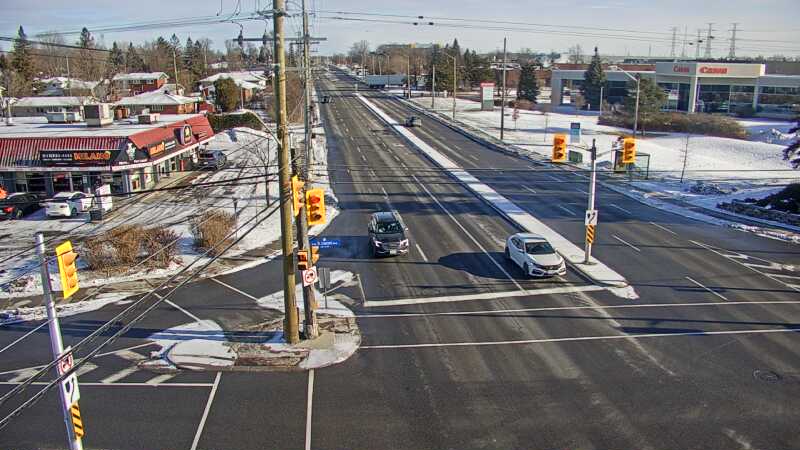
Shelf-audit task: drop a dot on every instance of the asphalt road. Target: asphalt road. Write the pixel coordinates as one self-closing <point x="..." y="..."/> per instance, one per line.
<point x="705" y="358"/>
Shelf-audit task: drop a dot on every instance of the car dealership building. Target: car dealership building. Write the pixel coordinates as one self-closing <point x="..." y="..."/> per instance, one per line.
<point x="698" y="87"/>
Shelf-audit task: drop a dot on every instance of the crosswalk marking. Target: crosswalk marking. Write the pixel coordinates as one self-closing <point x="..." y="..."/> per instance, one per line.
<point x="119" y="375"/>
<point x="24" y="374"/>
<point x="160" y="379"/>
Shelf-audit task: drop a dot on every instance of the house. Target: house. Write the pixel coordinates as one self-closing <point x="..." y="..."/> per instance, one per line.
<point x="40" y="106"/>
<point x="250" y="76"/>
<point x="127" y="84"/>
<point x="63" y="86"/>
<point x="159" y="102"/>
<point x="246" y="89"/>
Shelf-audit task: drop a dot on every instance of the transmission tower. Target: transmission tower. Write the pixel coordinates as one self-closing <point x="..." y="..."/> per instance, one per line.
<point x="709" y="37"/>
<point x="732" y="52"/>
<point x="674" y="36"/>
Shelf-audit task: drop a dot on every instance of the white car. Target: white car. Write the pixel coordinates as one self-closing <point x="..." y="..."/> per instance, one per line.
<point x="534" y="255"/>
<point x="67" y="204"/>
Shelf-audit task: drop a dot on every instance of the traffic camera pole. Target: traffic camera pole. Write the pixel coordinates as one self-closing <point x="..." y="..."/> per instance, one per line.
<point x="290" y="328"/>
<point x="592" y="181"/>
<point x="56" y="344"/>
<point x="503" y="101"/>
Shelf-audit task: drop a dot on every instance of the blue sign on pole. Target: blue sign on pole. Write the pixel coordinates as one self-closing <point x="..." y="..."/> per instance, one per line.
<point x="325" y="242"/>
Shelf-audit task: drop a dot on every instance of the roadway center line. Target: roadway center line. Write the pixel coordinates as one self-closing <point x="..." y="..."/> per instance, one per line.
<point x="529" y="189"/>
<point x="569" y="211"/>
<point x="205" y="412"/>
<point x="234" y="289"/>
<point x="482" y="296"/>
<point x="706" y="288"/>
<point x="620" y="208"/>
<point x="419" y="249"/>
<point x="626" y="243"/>
<point x="309" y="405"/>
<point x="579" y="339"/>
<point x="663" y="228"/>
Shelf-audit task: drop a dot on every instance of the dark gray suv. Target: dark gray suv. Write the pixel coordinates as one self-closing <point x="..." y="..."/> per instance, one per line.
<point x="387" y="234"/>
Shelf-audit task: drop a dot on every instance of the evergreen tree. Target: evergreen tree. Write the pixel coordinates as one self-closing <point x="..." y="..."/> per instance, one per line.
<point x="481" y="70"/>
<point x="116" y="60"/>
<point x="188" y="61"/>
<point x="651" y="99"/>
<point x="22" y="60"/>
<point x="226" y="94"/>
<point x="528" y="88"/>
<point x="792" y="152"/>
<point x="133" y="61"/>
<point x="593" y="81"/>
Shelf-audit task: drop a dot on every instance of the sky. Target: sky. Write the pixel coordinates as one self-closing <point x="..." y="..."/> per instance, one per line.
<point x="617" y="27"/>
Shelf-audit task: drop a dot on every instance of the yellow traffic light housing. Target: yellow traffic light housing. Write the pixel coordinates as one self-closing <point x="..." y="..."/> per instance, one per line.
<point x="297" y="194"/>
<point x="315" y="206"/>
<point x="629" y="150"/>
<point x="302" y="260"/>
<point x="314" y="254"/>
<point x="67" y="268"/>
<point x="559" y="148"/>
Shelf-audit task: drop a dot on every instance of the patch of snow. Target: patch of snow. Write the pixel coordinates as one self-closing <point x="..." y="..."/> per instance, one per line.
<point x="195" y="345"/>
<point x="70" y="309"/>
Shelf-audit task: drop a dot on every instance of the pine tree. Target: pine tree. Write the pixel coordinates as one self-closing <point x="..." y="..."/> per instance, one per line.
<point x="651" y="99"/>
<point x="116" y="61"/>
<point x="593" y="80"/>
<point x="226" y="94"/>
<point x="22" y="60"/>
<point x="133" y="61"/>
<point x="528" y="88"/>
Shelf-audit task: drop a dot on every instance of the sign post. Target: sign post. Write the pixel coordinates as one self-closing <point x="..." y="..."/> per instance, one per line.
<point x="591" y="213"/>
<point x="325" y="282"/>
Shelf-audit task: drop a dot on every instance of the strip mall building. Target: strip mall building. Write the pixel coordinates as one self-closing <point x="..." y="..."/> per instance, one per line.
<point x="698" y="87"/>
<point x="42" y="157"/>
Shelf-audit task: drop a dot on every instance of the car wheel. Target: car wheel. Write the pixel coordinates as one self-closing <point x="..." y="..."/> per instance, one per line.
<point x="507" y="253"/>
<point x="73" y="212"/>
<point x="526" y="269"/>
<point x="18" y="214"/>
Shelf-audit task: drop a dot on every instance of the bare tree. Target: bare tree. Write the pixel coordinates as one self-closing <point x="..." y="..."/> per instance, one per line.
<point x="576" y="55"/>
<point x="358" y="50"/>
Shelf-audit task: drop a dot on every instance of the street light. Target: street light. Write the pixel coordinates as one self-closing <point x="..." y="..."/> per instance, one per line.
<point x="455" y="82"/>
<point x="637" y="79"/>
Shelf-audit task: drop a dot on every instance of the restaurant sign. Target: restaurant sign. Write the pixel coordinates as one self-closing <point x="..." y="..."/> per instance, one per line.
<point x="77" y="157"/>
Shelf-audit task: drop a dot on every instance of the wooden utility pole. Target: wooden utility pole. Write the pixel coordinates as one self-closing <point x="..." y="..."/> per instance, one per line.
<point x="290" y="328"/>
<point x="503" y="101"/>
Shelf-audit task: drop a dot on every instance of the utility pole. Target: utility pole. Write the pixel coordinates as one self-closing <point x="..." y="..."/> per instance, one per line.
<point x="69" y="79"/>
<point x="56" y="344"/>
<point x="433" y="88"/>
<point x="503" y="101"/>
<point x="709" y="37"/>
<point x="175" y="68"/>
<point x="455" y="84"/>
<point x="732" y="52"/>
<point x="590" y="211"/>
<point x="309" y="302"/>
<point x="290" y="328"/>
<point x="408" y="74"/>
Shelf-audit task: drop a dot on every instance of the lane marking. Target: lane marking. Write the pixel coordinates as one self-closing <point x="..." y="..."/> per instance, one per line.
<point x="309" y="405"/>
<point x="385" y="194"/>
<point x="620" y="208"/>
<point x="626" y="243"/>
<point x="529" y="189"/>
<point x="396" y="158"/>
<point x="119" y="375"/>
<point x="663" y="228"/>
<point x="472" y="238"/>
<point x="578" y="339"/>
<point x="706" y="288"/>
<point x="100" y="384"/>
<point x="363" y="159"/>
<point x="472" y="157"/>
<point x="553" y="177"/>
<point x="239" y="291"/>
<point x="205" y="412"/>
<point x="576" y="308"/>
<point x="179" y="308"/>
<point x="709" y="248"/>
<point x="419" y="249"/>
<point x="564" y="208"/>
<point x="155" y="381"/>
<point x="482" y="296"/>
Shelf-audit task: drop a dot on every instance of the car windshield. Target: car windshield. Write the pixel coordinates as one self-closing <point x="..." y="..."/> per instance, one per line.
<point x="388" y="227"/>
<point x="538" y="248"/>
<point x="207" y="155"/>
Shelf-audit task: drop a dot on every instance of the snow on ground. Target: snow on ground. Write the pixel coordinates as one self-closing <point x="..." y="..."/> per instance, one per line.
<point x="70" y="309"/>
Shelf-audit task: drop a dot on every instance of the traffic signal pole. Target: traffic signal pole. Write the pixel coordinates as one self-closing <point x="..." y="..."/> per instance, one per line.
<point x="56" y="343"/>
<point x="590" y="207"/>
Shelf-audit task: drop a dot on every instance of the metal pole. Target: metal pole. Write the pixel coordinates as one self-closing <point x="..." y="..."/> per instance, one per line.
<point x="685" y="156"/>
<point x="545" y="125"/>
<point x="408" y="75"/>
<point x="291" y="331"/>
<point x="433" y="88"/>
<point x="56" y="344"/>
<point x="592" y="180"/>
<point x="636" y="113"/>
<point x="601" y="100"/>
<point x="455" y="85"/>
<point x="503" y="101"/>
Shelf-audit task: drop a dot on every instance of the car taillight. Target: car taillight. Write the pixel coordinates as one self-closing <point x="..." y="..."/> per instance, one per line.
<point x="8" y="209"/>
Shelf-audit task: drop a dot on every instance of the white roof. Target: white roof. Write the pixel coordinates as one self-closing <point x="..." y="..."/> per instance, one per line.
<point x="43" y="102"/>
<point x="29" y="127"/>
<point x="245" y="75"/>
<point x="71" y="82"/>
<point x="155" y="98"/>
<point x="135" y="76"/>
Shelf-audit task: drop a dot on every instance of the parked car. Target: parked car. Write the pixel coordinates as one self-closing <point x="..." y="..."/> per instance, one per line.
<point x="387" y="234"/>
<point x="18" y="204"/>
<point x="212" y="159"/>
<point x="534" y="255"/>
<point x="326" y="99"/>
<point x="67" y="204"/>
<point x="413" y="121"/>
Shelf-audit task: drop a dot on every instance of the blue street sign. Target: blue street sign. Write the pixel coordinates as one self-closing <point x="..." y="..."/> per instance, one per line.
<point x="326" y="242"/>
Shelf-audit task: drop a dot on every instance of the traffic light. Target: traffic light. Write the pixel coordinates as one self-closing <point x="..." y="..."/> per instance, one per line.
<point x="314" y="254"/>
<point x="67" y="268"/>
<point x="560" y="148"/>
<point x="629" y="151"/>
<point x="297" y="194"/>
<point x="302" y="260"/>
<point x="315" y="206"/>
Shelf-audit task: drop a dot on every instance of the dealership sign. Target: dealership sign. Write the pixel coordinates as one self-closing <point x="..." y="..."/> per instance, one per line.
<point x="77" y="157"/>
<point x="719" y="70"/>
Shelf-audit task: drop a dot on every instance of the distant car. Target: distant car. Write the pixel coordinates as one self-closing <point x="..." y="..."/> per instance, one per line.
<point x="534" y="255"/>
<point x="413" y="121"/>
<point x="67" y="204"/>
<point x="387" y="234"/>
<point x="212" y="159"/>
<point x="327" y="99"/>
<point x="16" y="205"/>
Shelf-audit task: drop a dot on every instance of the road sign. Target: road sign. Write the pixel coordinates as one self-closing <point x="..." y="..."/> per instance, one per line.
<point x="65" y="361"/>
<point x="309" y="276"/>
<point x="590" y="233"/>
<point x="326" y="242"/>
<point x="69" y="387"/>
<point x="575" y="133"/>
<point x="591" y="217"/>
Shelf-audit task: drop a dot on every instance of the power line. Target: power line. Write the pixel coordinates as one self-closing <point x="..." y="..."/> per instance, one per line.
<point x="53" y="44"/>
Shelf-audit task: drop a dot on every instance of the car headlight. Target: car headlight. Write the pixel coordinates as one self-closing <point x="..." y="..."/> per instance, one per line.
<point x="404" y="243"/>
<point x="378" y="243"/>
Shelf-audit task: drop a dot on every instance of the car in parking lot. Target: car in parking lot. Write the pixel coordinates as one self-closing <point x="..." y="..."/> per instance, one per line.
<point x="212" y="159"/>
<point x="67" y="204"/>
<point x="534" y="255"/>
<point x="18" y="204"/>
<point x="387" y="234"/>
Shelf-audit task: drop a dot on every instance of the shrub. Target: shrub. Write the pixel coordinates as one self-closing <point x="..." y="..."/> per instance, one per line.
<point x="221" y="122"/>
<point x="128" y="245"/>
<point x="787" y="200"/>
<point x="705" y="124"/>
<point x="161" y="246"/>
<point x="210" y="230"/>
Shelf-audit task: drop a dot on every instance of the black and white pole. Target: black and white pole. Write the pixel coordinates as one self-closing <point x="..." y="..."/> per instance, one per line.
<point x="56" y="344"/>
<point x="591" y="213"/>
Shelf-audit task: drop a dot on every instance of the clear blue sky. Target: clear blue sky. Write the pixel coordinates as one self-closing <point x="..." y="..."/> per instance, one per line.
<point x="765" y="20"/>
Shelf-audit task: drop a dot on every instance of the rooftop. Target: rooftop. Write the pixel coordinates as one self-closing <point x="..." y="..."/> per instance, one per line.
<point x="139" y="76"/>
<point x="37" y="127"/>
<point x="245" y="75"/>
<point x="36" y="102"/>
<point x="156" y="98"/>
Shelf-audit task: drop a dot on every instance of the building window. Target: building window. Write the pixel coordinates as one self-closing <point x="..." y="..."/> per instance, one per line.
<point x="778" y="100"/>
<point x="156" y="108"/>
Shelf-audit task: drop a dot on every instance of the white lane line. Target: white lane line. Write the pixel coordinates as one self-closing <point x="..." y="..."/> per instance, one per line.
<point x="626" y="243"/>
<point x="363" y="159"/>
<point x="309" y="405"/>
<point x="419" y="249"/>
<point x="396" y="158"/>
<point x="479" y="297"/>
<point x="130" y="355"/>
<point x="133" y="347"/>
<point x="24" y="374"/>
<point x="707" y="288"/>
<point x="155" y="381"/>
<point x="119" y="375"/>
<point x="472" y="157"/>
<point x="620" y="208"/>
<point x="579" y="339"/>
<point x="553" y="178"/>
<point x="577" y="308"/>
<point x="472" y="238"/>
<point x="385" y="194"/>
<point x="176" y="306"/>
<point x="663" y="228"/>
<point x="205" y="412"/>
<point x="85" y="368"/>
<point x="239" y="291"/>
<point x="529" y="189"/>
<point x="709" y="248"/>
<point x="569" y="211"/>
<point x="100" y="384"/>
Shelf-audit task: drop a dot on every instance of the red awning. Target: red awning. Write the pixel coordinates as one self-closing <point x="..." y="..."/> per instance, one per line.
<point x="25" y="151"/>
